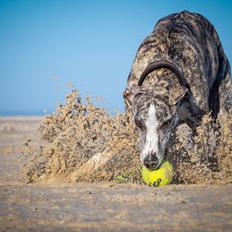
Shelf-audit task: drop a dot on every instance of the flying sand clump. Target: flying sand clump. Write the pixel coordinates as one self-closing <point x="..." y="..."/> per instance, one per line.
<point x="83" y="142"/>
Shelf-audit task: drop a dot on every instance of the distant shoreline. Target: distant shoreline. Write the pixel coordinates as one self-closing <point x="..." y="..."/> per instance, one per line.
<point x="20" y="118"/>
<point x="24" y="113"/>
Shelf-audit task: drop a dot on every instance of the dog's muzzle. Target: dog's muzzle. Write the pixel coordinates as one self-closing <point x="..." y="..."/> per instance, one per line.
<point x="151" y="161"/>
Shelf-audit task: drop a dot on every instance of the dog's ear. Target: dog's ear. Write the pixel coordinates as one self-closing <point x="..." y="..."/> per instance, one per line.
<point x="127" y="95"/>
<point x="177" y="94"/>
<point x="130" y="95"/>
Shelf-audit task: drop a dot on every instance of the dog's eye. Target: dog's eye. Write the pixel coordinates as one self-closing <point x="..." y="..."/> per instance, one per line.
<point x="138" y="123"/>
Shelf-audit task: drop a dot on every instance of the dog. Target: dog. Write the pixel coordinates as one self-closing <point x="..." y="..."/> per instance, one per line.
<point x="180" y="72"/>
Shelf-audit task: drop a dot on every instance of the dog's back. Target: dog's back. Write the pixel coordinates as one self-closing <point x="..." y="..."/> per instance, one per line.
<point x="190" y="42"/>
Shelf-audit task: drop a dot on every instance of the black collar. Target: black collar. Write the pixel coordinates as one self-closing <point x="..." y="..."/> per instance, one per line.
<point x="164" y="64"/>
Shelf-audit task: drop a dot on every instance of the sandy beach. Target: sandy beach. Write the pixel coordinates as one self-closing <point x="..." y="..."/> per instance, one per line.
<point x="103" y="206"/>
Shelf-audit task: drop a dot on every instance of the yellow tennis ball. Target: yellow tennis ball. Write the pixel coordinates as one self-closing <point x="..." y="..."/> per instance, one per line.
<point x="158" y="177"/>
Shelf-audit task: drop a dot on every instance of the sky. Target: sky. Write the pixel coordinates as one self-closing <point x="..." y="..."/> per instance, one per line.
<point x="47" y="44"/>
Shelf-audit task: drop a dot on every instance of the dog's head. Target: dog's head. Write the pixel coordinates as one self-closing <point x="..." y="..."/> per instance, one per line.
<point x="156" y="112"/>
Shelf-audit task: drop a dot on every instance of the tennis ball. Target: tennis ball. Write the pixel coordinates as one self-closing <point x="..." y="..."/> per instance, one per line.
<point x="158" y="177"/>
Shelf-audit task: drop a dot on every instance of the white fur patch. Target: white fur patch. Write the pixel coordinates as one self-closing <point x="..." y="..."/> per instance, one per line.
<point x="151" y="144"/>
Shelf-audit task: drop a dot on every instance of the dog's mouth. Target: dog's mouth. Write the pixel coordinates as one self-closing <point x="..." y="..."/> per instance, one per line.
<point x="159" y="164"/>
<point x="153" y="168"/>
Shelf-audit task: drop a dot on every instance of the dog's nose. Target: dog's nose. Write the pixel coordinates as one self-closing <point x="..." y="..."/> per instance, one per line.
<point x="151" y="161"/>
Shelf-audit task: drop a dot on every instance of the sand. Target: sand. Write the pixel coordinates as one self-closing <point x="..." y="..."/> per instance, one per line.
<point x="82" y="142"/>
<point x="79" y="170"/>
<point x="103" y="206"/>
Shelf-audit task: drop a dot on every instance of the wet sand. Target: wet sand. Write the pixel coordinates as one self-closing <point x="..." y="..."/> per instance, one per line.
<point x="100" y="206"/>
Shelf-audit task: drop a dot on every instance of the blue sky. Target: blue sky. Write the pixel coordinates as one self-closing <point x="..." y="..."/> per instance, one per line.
<point x="46" y="44"/>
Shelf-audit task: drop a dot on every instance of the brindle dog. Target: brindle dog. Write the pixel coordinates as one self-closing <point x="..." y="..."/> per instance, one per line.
<point x="180" y="73"/>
